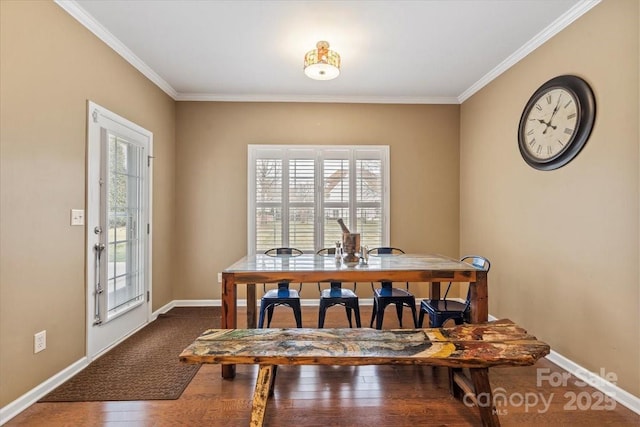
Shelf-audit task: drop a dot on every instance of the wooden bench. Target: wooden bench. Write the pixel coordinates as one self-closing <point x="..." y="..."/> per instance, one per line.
<point x="474" y="346"/>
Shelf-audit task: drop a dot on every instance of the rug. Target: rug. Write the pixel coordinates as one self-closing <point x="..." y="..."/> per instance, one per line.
<point x="145" y="366"/>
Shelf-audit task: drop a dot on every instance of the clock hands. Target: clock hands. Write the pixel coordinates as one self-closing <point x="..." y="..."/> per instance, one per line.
<point x="548" y="125"/>
<point x="555" y="110"/>
<point x="553" y="113"/>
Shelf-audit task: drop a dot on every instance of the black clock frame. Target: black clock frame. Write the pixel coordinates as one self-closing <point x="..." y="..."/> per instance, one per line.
<point x="586" y="111"/>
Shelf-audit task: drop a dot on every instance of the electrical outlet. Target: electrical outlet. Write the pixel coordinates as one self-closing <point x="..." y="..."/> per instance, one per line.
<point x="39" y="341"/>
<point x="77" y="216"/>
<point x="219" y="277"/>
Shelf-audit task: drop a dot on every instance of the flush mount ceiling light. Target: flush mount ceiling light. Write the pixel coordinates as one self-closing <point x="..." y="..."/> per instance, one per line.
<point x="322" y="63"/>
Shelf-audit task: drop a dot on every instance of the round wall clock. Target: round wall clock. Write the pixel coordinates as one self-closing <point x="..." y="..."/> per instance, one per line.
<point x="556" y="122"/>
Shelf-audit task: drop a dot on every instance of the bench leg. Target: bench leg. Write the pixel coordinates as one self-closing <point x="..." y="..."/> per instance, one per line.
<point x="261" y="394"/>
<point x="488" y="414"/>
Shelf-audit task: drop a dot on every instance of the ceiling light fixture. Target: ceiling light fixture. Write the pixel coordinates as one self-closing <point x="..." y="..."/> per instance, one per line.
<point x="322" y="63"/>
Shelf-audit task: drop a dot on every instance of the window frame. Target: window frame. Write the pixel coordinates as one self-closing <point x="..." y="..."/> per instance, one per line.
<point x="318" y="153"/>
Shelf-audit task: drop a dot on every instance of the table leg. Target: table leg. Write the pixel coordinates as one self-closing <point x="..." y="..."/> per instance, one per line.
<point x="273" y="380"/>
<point x="229" y="318"/>
<point x="479" y="298"/>
<point x="484" y="397"/>
<point x="261" y="394"/>
<point x="251" y="306"/>
<point x="434" y="292"/>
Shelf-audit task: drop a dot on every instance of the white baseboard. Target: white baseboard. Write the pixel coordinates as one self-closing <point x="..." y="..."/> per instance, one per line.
<point x="241" y="303"/>
<point x="23" y="402"/>
<point x="195" y="303"/>
<point x="610" y="389"/>
<point x="32" y="396"/>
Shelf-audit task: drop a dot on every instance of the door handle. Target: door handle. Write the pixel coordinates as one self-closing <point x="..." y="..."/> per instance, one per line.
<point x="97" y="318"/>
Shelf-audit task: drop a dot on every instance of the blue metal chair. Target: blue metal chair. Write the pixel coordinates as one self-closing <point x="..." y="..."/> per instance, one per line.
<point x="282" y="295"/>
<point x="336" y="295"/>
<point x="441" y="310"/>
<point x="387" y="294"/>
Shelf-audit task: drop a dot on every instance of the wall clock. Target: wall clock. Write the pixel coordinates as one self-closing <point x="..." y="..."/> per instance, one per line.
<point x="556" y="122"/>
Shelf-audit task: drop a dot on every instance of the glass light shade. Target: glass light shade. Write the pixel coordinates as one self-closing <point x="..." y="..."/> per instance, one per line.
<point x="322" y="63"/>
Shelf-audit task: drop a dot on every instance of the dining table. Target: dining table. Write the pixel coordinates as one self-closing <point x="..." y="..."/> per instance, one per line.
<point x="428" y="269"/>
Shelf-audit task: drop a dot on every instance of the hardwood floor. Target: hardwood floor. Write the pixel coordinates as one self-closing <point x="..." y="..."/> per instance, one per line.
<point x="346" y="396"/>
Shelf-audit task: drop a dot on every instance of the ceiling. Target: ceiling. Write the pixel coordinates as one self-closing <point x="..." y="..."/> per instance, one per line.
<point x="435" y="51"/>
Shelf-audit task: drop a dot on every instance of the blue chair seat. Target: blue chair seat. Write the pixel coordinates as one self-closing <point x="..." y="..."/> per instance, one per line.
<point x="387" y="294"/>
<point x="336" y="295"/>
<point x="441" y="310"/>
<point x="283" y="295"/>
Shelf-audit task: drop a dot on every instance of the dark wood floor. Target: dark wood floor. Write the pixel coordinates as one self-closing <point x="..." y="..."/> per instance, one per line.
<point x="345" y="396"/>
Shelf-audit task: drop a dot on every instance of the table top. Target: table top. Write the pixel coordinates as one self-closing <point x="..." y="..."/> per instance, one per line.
<point x="320" y="263"/>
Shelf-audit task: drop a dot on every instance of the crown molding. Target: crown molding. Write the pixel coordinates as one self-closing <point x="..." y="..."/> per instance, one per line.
<point x="316" y="98"/>
<point x="554" y="28"/>
<point x="77" y="12"/>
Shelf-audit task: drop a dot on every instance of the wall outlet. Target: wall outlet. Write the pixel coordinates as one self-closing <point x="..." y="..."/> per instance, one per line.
<point x="39" y="341"/>
<point x="77" y="216"/>
<point x="219" y="277"/>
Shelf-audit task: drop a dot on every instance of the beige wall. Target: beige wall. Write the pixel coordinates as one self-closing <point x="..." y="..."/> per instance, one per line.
<point x="563" y="244"/>
<point x="50" y="66"/>
<point x="211" y="175"/>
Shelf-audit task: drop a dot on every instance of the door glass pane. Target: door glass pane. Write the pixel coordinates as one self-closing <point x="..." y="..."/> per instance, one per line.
<point x="124" y="284"/>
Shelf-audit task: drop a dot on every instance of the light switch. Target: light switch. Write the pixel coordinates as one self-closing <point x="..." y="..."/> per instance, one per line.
<point x="77" y="216"/>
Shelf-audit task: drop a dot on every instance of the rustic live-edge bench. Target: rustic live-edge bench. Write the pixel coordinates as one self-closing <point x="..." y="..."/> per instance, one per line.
<point x="473" y="346"/>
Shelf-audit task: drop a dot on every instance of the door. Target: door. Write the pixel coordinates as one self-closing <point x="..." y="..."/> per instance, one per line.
<point x="118" y="229"/>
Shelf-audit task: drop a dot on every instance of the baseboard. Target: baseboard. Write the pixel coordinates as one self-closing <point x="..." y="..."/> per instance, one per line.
<point x="12" y="409"/>
<point x="189" y="303"/>
<point x="241" y="303"/>
<point x="32" y="396"/>
<point x="610" y="389"/>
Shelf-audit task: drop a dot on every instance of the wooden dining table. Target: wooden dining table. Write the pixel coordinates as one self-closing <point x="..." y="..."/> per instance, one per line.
<point x="311" y="268"/>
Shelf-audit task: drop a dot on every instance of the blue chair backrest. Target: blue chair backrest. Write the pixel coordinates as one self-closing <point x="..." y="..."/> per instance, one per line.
<point x="478" y="262"/>
<point x="386" y="251"/>
<point x="283" y="251"/>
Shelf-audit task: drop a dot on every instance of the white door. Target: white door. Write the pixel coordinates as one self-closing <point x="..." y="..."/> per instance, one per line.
<point x="118" y="228"/>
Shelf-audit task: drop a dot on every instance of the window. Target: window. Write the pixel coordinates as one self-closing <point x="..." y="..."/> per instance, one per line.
<point x="297" y="194"/>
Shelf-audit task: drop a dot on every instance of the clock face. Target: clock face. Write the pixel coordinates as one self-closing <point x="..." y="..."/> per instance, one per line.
<point x="556" y="122"/>
<point x="551" y="124"/>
